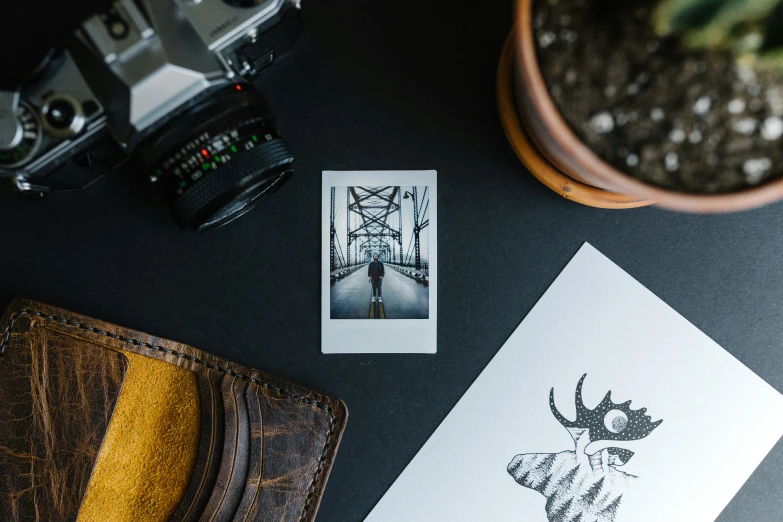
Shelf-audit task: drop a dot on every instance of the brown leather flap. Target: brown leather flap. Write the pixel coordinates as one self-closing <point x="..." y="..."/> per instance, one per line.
<point x="194" y="437"/>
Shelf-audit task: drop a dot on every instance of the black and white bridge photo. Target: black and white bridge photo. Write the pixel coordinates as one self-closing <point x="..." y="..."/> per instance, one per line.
<point x="379" y="252"/>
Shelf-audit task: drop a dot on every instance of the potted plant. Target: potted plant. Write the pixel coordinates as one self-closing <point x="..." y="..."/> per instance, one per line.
<point x="629" y="102"/>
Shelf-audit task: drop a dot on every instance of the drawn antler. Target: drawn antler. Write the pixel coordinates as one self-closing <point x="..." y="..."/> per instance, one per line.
<point x="608" y="420"/>
<point x="582" y="486"/>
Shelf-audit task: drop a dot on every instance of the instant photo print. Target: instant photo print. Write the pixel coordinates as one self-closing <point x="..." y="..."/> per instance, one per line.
<point x="379" y="262"/>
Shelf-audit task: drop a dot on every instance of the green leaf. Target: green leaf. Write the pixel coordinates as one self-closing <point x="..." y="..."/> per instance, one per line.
<point x="752" y="29"/>
<point x="676" y="16"/>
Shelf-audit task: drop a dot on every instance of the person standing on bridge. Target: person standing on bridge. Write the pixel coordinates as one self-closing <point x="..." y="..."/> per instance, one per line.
<point x="375" y="276"/>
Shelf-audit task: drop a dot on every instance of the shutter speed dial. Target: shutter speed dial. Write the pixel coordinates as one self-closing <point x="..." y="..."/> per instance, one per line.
<point x="26" y="141"/>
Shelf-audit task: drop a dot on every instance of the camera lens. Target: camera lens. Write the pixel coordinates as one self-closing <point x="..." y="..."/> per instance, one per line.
<point x="219" y="160"/>
<point x="63" y="116"/>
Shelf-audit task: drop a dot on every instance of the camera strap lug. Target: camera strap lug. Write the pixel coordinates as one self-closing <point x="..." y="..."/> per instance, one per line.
<point x="69" y="177"/>
<point x="76" y="174"/>
<point x="24" y="187"/>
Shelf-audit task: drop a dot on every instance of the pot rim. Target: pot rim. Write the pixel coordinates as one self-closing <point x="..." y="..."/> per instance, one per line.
<point x="530" y="78"/>
<point x="530" y="155"/>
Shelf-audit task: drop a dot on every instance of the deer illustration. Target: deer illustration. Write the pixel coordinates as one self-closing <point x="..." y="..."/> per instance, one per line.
<point x="581" y="487"/>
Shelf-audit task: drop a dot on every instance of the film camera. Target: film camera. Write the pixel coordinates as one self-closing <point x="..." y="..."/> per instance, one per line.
<point x="163" y="84"/>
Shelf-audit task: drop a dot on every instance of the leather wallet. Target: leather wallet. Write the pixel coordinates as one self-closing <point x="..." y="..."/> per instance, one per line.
<point x="102" y="423"/>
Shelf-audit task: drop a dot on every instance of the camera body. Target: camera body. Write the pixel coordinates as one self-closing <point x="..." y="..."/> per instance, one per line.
<point x="164" y="83"/>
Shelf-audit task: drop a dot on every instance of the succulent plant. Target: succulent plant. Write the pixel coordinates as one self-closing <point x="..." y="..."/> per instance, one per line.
<point x="752" y="29"/>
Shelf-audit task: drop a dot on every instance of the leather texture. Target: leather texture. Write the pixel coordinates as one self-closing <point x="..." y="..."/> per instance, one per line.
<point x="210" y="452"/>
<point x="106" y="423"/>
<point x="236" y="451"/>
<point x="55" y="407"/>
<point x="150" y="447"/>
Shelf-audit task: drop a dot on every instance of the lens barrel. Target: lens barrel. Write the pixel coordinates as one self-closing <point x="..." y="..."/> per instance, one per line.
<point x="217" y="161"/>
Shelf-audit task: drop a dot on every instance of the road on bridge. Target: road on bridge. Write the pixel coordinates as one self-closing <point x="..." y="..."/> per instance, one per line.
<point x="403" y="297"/>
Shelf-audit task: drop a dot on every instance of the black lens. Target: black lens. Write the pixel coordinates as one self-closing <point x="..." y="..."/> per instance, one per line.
<point x="219" y="160"/>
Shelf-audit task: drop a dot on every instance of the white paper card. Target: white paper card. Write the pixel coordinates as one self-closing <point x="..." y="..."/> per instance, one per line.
<point x="507" y="452"/>
<point x="379" y="269"/>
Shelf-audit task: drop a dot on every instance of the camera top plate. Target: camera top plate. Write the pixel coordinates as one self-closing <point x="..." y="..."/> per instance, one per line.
<point x="219" y="24"/>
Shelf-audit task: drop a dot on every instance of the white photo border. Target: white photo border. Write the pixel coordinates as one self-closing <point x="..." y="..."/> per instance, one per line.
<point x="376" y="336"/>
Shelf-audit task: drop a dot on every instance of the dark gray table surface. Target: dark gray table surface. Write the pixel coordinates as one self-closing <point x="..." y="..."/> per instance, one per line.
<point x="385" y="85"/>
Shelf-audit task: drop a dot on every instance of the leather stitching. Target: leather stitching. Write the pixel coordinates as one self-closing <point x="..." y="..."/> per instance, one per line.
<point x="64" y="320"/>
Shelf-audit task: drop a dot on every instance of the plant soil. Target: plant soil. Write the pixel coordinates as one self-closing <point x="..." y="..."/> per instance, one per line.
<point x="684" y="120"/>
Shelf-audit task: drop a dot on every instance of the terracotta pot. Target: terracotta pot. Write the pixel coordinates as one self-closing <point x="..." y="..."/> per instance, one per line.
<point x="555" y="140"/>
<point x="536" y="163"/>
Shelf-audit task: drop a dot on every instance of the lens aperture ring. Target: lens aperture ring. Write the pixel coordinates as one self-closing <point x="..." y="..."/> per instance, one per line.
<point x="226" y="109"/>
<point x="266" y="164"/>
<point x="209" y="152"/>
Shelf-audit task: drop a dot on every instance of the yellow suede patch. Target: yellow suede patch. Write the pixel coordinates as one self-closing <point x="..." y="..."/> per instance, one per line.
<point x="150" y="448"/>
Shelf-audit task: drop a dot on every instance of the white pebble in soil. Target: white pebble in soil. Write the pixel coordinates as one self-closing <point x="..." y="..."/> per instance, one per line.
<point x="752" y="40"/>
<point x="569" y="36"/>
<point x="702" y="105"/>
<point x="546" y="39"/>
<point x="672" y="162"/>
<point x="737" y="106"/>
<point x="772" y="129"/>
<point x="657" y="114"/>
<point x="602" y="123"/>
<point x="695" y="137"/>
<point x="755" y="169"/>
<point x="746" y="126"/>
<point x="610" y="90"/>
<point x="632" y="160"/>
<point x="677" y="135"/>
<point x="746" y="73"/>
<point x="775" y="101"/>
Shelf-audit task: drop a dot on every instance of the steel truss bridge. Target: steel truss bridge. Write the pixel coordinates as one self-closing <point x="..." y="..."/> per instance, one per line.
<point x="374" y="225"/>
<point x="379" y="228"/>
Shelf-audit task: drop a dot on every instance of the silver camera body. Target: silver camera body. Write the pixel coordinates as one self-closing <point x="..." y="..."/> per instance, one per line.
<point x="128" y="72"/>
